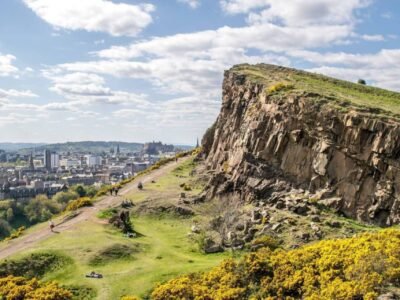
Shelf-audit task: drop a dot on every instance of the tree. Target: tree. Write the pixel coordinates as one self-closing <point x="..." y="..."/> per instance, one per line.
<point x="91" y="191"/>
<point x="361" y="81"/>
<point x="5" y="228"/>
<point x="41" y="209"/>
<point x="10" y="214"/>
<point x="65" y="197"/>
<point x="80" y="190"/>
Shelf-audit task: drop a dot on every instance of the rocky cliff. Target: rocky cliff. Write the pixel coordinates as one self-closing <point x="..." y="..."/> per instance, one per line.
<point x="281" y="129"/>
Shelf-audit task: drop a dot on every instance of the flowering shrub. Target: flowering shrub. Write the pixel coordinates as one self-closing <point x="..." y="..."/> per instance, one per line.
<point x="354" y="268"/>
<point x="279" y="87"/>
<point x="130" y="298"/>
<point x="16" y="234"/>
<point x="78" y="203"/>
<point x="20" y="288"/>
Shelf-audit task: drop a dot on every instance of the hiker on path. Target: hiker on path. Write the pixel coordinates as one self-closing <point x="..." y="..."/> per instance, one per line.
<point x="51" y="225"/>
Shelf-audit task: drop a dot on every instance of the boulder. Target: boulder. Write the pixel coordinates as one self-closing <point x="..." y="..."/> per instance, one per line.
<point x="195" y="229"/>
<point x="256" y="216"/>
<point x="212" y="246"/>
<point x="334" y="224"/>
<point x="315" y="218"/>
<point x="240" y="227"/>
<point x="305" y="236"/>
<point x="388" y="296"/>
<point x="280" y="204"/>
<point x="314" y="227"/>
<point x="276" y="227"/>
<point x="300" y="209"/>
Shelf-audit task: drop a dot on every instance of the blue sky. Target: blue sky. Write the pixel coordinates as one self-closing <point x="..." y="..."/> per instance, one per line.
<point x="130" y="70"/>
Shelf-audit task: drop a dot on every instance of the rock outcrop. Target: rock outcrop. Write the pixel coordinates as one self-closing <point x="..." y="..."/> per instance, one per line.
<point x="266" y="141"/>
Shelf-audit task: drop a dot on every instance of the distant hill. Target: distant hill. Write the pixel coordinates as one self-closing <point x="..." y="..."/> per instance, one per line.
<point x="86" y="146"/>
<point x="18" y="146"/>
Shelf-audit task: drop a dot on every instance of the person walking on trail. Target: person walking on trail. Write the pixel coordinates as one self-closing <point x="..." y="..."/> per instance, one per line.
<point x="51" y="225"/>
<point x="111" y="191"/>
<point x="116" y="191"/>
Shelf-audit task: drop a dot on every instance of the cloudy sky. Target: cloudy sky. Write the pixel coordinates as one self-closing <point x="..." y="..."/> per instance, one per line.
<point x="131" y="70"/>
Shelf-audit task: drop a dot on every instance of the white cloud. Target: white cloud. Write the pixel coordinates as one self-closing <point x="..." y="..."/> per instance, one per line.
<point x="192" y="3"/>
<point x="264" y="37"/>
<point x="373" y="38"/>
<point x="117" y="19"/>
<point x="16" y="94"/>
<point x="242" y="6"/>
<point x="6" y="65"/>
<point x="87" y="88"/>
<point x="295" y="12"/>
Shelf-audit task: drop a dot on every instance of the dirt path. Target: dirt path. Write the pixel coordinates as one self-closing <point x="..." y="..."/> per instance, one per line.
<point x="25" y="242"/>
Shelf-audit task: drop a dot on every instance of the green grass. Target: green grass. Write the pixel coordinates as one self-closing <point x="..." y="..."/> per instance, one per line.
<point x="169" y="185"/>
<point x="341" y="94"/>
<point x="168" y="253"/>
<point x="165" y="251"/>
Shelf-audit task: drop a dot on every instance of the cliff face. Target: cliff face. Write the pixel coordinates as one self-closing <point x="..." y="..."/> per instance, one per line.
<point x="271" y="138"/>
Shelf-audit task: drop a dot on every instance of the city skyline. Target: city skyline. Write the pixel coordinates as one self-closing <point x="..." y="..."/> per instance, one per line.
<point x="152" y="70"/>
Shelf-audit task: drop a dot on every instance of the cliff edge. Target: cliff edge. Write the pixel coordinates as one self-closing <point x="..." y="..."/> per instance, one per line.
<point x="281" y="129"/>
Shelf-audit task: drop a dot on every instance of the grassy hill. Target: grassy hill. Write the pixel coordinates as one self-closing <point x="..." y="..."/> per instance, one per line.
<point x="162" y="251"/>
<point x="18" y="146"/>
<point x="342" y="94"/>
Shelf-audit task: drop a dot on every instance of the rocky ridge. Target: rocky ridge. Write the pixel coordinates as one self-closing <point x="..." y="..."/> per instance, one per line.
<point x="274" y="135"/>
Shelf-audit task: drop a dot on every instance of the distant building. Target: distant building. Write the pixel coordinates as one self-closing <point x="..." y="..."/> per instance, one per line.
<point x="140" y="166"/>
<point x="69" y="163"/>
<point x="51" y="160"/>
<point x="31" y="164"/>
<point x="93" y="160"/>
<point x="47" y="159"/>
<point x="55" y="160"/>
<point x="79" y="179"/>
<point x="155" y="148"/>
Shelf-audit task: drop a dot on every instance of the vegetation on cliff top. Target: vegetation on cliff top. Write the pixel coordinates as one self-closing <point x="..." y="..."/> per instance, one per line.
<point x="341" y="93"/>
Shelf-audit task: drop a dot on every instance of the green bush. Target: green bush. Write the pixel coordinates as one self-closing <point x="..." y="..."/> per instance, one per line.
<point x="266" y="241"/>
<point x="34" y="265"/>
<point x="65" y="197"/>
<point x="41" y="209"/>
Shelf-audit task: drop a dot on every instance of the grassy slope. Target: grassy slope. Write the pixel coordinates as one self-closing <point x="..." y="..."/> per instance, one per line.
<point x="167" y="252"/>
<point x="338" y="92"/>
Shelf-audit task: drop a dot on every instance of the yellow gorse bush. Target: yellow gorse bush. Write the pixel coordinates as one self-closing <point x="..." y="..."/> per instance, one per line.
<point x="280" y="86"/>
<point x="129" y="298"/>
<point x="78" y="203"/>
<point x="19" y="288"/>
<point x="354" y="268"/>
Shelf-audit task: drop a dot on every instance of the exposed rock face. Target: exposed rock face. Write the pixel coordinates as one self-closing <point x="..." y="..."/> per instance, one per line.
<point x="262" y="144"/>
